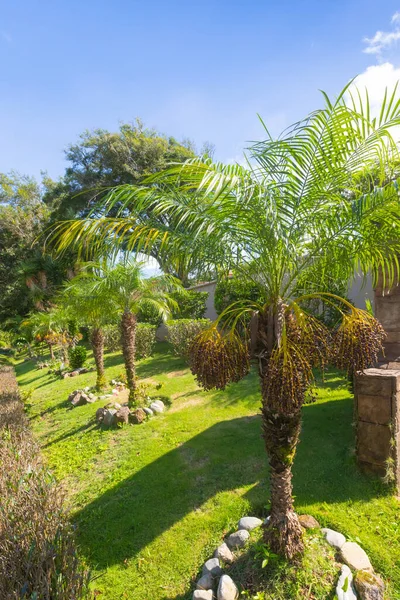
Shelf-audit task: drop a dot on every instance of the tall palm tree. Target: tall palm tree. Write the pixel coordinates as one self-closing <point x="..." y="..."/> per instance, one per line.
<point x="304" y="213"/>
<point x="128" y="289"/>
<point x="94" y="307"/>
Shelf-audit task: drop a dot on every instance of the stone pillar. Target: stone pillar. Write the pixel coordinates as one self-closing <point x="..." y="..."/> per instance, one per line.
<point x="387" y="311"/>
<point x="377" y="405"/>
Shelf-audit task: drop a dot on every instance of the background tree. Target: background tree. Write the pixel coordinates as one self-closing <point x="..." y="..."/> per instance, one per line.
<point x="293" y="217"/>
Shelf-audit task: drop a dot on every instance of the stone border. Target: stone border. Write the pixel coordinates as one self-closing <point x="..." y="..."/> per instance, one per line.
<point x="365" y="584"/>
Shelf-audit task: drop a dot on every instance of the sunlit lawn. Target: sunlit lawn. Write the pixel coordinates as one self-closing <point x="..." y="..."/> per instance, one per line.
<point x="152" y="501"/>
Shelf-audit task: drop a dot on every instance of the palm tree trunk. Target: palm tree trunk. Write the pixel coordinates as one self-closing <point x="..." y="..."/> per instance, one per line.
<point x="128" y="330"/>
<point x="50" y="346"/>
<point x="283" y="532"/>
<point x="97" y="343"/>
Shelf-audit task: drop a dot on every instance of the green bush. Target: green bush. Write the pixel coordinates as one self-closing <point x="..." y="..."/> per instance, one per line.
<point x="77" y="356"/>
<point x="148" y="313"/>
<point x="145" y="339"/>
<point x="112" y="338"/>
<point x="191" y="304"/>
<point x="182" y="332"/>
<point x="233" y="290"/>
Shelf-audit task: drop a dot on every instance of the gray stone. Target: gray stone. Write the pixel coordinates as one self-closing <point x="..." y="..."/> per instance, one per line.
<point x="100" y="412"/>
<point x="109" y="417"/>
<point x="148" y="411"/>
<point x="249" y="523"/>
<point x="157" y="407"/>
<point x="212" y="566"/>
<point x="122" y="415"/>
<point x="205" y="582"/>
<point x="224" y="554"/>
<point x="334" y="538"/>
<point x="227" y="589"/>
<point x="345" y="589"/>
<point x="238" y="539"/>
<point x="267" y="520"/>
<point x="79" y="399"/>
<point x="355" y="557"/>
<point x="202" y="595"/>
<point x="369" y="586"/>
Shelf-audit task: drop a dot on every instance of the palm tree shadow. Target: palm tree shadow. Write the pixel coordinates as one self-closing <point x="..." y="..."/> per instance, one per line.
<point x="229" y="455"/>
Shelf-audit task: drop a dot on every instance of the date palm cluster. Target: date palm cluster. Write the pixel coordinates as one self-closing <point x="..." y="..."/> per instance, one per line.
<point x="217" y="359"/>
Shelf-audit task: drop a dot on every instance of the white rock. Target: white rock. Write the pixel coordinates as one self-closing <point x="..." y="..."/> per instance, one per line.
<point x="227" y="589"/>
<point x="267" y="520"/>
<point x="334" y="538"/>
<point x="148" y="411"/>
<point x="117" y="405"/>
<point x="156" y="407"/>
<point x="345" y="588"/>
<point x="238" y="539"/>
<point x="202" y="595"/>
<point x="205" y="582"/>
<point x="249" y="523"/>
<point x="212" y="566"/>
<point x="355" y="557"/>
<point x="224" y="554"/>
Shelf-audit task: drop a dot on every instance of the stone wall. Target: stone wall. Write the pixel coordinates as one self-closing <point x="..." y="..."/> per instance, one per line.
<point x="377" y="403"/>
<point x="387" y="311"/>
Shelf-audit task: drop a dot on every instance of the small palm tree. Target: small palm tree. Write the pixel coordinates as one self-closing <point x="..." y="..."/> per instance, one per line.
<point x="50" y="327"/>
<point x="91" y="306"/>
<point x="129" y="291"/>
<point x="311" y="208"/>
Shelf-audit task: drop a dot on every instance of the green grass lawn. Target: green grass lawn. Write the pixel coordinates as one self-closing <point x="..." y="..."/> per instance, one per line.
<point x="153" y="501"/>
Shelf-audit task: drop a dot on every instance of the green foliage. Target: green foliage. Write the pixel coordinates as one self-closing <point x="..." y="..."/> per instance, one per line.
<point x="234" y="289"/>
<point x="191" y="304"/>
<point x="145" y="340"/>
<point x="148" y="313"/>
<point x="182" y="332"/>
<point x="112" y="337"/>
<point x="77" y="356"/>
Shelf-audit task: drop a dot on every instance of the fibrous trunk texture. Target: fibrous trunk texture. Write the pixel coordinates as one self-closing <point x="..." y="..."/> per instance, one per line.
<point x="128" y="330"/>
<point x="281" y="430"/>
<point x="283" y="532"/>
<point x="97" y="342"/>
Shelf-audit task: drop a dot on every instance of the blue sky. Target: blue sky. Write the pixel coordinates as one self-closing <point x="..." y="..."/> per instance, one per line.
<point x="201" y="70"/>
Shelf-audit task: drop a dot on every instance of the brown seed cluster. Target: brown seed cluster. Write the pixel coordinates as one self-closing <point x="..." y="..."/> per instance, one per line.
<point x="217" y="360"/>
<point x="357" y="342"/>
<point x="286" y="380"/>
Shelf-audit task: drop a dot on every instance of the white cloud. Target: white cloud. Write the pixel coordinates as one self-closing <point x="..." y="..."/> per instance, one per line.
<point x="383" y="39"/>
<point x="376" y="79"/>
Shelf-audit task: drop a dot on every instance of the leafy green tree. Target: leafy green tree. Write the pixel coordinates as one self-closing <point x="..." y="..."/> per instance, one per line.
<point x="290" y="222"/>
<point x="102" y="159"/>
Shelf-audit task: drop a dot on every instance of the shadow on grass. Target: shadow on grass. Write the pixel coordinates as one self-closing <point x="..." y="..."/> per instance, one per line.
<point x="228" y="455"/>
<point x="86" y="427"/>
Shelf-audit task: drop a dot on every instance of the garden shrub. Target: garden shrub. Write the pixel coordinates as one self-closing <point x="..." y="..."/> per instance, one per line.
<point x="148" y="313"/>
<point x="192" y="304"/>
<point x="232" y="290"/>
<point x="112" y="337"/>
<point x="182" y="332"/>
<point x="77" y="356"/>
<point x="38" y="556"/>
<point x="145" y="339"/>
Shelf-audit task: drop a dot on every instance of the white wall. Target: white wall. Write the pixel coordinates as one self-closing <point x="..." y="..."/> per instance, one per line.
<point x="361" y="289"/>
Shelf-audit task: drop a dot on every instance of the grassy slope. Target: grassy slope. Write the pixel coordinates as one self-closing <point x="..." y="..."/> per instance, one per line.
<point x="153" y="501"/>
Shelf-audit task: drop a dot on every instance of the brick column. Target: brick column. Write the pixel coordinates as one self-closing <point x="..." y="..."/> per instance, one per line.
<point x="377" y="406"/>
<point x="387" y="311"/>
